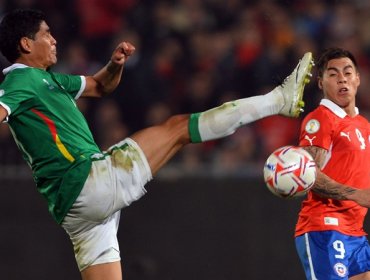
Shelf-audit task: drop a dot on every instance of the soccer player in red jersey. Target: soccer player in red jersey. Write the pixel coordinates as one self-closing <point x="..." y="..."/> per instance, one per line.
<point x="330" y="238"/>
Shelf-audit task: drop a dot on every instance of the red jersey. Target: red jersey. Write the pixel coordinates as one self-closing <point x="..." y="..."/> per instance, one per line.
<point x="347" y="140"/>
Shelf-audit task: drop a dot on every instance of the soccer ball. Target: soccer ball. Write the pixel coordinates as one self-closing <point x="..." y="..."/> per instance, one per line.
<point x="289" y="172"/>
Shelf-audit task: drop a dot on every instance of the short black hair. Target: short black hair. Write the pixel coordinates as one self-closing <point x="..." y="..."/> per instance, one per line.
<point x="15" y="25"/>
<point x="332" y="53"/>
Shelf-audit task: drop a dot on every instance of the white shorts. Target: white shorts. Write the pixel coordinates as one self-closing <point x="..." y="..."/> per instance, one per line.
<point x="116" y="179"/>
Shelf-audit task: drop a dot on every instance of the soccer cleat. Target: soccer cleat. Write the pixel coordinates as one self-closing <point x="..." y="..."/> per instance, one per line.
<point x="293" y="86"/>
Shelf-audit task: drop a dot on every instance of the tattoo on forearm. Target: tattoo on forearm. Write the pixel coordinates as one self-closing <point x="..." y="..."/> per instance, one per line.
<point x="324" y="185"/>
<point x="318" y="154"/>
<point x="327" y="187"/>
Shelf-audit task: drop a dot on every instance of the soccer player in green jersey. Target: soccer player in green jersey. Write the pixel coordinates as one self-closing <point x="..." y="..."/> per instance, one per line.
<point x="85" y="187"/>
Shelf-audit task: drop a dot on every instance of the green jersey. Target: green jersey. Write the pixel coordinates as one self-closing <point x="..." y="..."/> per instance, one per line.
<point x="50" y="131"/>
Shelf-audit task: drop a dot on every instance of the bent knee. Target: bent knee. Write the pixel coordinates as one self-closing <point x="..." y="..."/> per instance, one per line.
<point x="177" y="120"/>
<point x="178" y="127"/>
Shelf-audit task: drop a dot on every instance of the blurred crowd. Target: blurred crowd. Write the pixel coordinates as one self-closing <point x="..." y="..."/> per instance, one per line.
<point x="192" y="55"/>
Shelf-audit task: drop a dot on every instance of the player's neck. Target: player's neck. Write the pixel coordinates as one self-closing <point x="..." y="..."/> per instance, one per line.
<point x="350" y="110"/>
<point x="31" y="62"/>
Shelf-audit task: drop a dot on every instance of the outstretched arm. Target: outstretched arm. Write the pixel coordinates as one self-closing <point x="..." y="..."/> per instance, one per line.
<point x="108" y="78"/>
<point x="327" y="187"/>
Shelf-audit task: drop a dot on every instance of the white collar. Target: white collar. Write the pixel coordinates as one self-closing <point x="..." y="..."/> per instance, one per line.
<point x="335" y="108"/>
<point x="14" y="66"/>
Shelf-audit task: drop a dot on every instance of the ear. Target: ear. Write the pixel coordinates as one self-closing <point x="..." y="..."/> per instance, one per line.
<point x="25" y="45"/>
<point x="358" y="79"/>
<point x="319" y="83"/>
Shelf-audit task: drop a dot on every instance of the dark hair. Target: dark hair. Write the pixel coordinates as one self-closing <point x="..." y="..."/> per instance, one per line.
<point x="332" y="53"/>
<point x="15" y="25"/>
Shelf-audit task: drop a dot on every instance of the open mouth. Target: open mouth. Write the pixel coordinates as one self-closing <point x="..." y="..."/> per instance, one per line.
<point x="343" y="90"/>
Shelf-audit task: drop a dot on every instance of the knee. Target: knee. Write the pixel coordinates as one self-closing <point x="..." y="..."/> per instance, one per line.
<point x="177" y="120"/>
<point x="178" y="126"/>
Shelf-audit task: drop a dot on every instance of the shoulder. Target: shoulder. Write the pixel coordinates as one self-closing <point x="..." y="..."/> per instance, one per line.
<point x="321" y="114"/>
<point x="321" y="120"/>
<point x="22" y="82"/>
<point x="67" y="78"/>
<point x="22" y="75"/>
<point x="363" y="119"/>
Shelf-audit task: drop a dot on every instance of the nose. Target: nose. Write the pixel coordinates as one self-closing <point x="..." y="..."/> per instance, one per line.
<point x="53" y="41"/>
<point x="341" y="78"/>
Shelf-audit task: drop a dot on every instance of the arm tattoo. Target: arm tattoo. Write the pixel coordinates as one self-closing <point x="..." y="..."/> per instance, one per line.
<point x="324" y="185"/>
<point x="318" y="155"/>
<point x="327" y="187"/>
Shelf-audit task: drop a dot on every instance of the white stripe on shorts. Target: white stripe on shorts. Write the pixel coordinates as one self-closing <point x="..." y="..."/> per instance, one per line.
<point x="313" y="276"/>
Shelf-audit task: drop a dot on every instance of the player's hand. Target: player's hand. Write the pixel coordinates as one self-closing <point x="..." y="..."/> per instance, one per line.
<point x="122" y="52"/>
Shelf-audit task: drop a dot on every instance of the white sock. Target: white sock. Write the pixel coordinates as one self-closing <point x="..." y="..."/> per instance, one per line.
<point x="225" y="119"/>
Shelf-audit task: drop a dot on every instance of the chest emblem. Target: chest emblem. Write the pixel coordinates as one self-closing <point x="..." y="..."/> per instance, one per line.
<point x="344" y="134"/>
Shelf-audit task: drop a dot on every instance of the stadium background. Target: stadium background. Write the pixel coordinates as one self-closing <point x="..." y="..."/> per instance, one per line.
<point x="207" y="215"/>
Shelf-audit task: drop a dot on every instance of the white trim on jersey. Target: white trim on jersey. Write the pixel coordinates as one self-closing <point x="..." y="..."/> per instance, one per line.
<point x="14" y="66"/>
<point x="82" y="88"/>
<point x="335" y="108"/>
<point x="6" y="107"/>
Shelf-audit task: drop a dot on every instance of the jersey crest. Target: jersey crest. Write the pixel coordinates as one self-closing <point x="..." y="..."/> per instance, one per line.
<point x="312" y="126"/>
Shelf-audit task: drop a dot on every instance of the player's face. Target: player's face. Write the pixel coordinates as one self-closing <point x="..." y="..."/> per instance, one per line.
<point x="44" y="47"/>
<point x="340" y="82"/>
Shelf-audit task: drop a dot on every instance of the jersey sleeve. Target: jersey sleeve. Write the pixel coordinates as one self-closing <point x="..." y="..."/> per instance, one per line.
<point x="72" y="84"/>
<point x="15" y="102"/>
<point x="317" y="130"/>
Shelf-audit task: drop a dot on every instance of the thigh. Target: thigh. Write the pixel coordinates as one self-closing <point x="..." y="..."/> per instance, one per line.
<point x="362" y="276"/>
<point x="130" y="172"/>
<point x="325" y="255"/>
<point x="160" y="143"/>
<point x="93" y="242"/>
<point x="360" y="261"/>
<point x="107" y="271"/>
<point x="116" y="179"/>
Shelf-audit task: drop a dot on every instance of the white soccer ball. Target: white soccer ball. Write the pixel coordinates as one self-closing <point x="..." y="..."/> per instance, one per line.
<point x="289" y="172"/>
